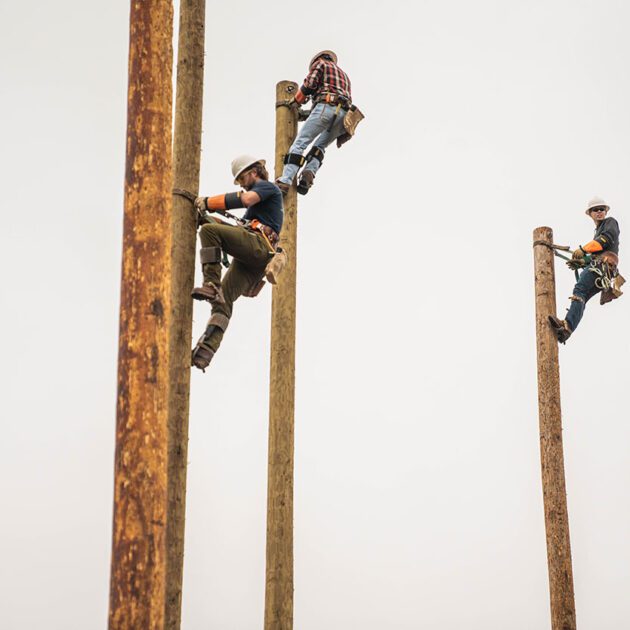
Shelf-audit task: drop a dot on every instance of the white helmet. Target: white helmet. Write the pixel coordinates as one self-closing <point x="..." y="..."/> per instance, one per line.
<point x="594" y="202"/>
<point x="330" y="53"/>
<point x="242" y="163"/>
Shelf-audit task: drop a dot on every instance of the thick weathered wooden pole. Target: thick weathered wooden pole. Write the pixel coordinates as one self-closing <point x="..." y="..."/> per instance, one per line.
<point x="551" y="455"/>
<point x="279" y="578"/>
<point x="137" y="588"/>
<point x="186" y="163"/>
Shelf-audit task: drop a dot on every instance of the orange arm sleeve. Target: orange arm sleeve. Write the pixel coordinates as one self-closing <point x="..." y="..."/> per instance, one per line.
<point x="216" y="203"/>
<point x="592" y="247"/>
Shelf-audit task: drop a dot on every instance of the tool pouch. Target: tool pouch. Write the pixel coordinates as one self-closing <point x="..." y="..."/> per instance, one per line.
<point x="275" y="266"/>
<point x="255" y="288"/>
<point x="612" y="293"/>
<point x="608" y="258"/>
<point x="352" y="118"/>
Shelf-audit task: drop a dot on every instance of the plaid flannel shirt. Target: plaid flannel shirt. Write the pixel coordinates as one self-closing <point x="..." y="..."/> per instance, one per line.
<point x="325" y="77"/>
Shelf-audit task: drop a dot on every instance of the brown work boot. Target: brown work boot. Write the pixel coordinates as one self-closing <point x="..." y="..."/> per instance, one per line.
<point x="209" y="292"/>
<point x="305" y="182"/>
<point x="202" y="354"/>
<point x="284" y="188"/>
<point x="560" y="328"/>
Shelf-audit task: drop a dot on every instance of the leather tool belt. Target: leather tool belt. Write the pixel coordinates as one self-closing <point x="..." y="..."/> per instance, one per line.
<point x="268" y="234"/>
<point x="333" y="99"/>
<point x="608" y="258"/>
<point x="352" y="119"/>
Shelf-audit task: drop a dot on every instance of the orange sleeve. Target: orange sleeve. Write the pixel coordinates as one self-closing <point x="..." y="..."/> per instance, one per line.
<point x="300" y="97"/>
<point x="592" y="247"/>
<point x="216" y="203"/>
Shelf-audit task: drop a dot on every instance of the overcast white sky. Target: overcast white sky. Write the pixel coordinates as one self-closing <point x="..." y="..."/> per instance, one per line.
<point x="418" y="500"/>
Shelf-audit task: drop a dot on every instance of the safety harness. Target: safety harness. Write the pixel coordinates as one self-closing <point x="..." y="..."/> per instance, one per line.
<point x="602" y="264"/>
<point x="269" y="235"/>
<point x="564" y="248"/>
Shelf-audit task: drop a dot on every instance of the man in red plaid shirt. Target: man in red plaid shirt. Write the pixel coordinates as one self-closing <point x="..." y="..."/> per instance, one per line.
<point x="329" y="88"/>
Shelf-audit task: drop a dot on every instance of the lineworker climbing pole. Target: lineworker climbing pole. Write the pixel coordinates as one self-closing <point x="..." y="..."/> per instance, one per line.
<point x="598" y="260"/>
<point x="333" y="117"/>
<point x="252" y="244"/>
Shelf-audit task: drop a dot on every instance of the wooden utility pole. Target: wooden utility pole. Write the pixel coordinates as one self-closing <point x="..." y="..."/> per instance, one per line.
<point x="186" y="164"/>
<point x="137" y="586"/>
<point x="551" y="455"/>
<point x="279" y="576"/>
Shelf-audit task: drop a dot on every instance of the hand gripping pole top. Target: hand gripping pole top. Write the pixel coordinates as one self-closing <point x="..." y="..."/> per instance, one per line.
<point x="288" y="102"/>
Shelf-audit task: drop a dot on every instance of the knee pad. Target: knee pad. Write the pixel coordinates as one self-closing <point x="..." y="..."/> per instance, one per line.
<point x="316" y="152"/>
<point x="209" y="255"/>
<point x="294" y="158"/>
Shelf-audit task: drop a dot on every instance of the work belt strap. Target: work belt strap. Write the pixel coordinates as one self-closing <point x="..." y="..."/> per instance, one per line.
<point x="555" y="249"/>
<point x="334" y="99"/>
<point x="268" y="234"/>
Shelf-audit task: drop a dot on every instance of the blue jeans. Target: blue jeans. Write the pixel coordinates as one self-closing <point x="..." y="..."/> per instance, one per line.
<point x="315" y="128"/>
<point x="584" y="290"/>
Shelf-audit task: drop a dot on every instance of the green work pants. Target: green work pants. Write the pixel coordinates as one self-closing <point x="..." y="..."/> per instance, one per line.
<point x="250" y="254"/>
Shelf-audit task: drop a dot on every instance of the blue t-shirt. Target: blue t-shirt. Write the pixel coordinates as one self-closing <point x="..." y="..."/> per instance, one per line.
<point x="269" y="209"/>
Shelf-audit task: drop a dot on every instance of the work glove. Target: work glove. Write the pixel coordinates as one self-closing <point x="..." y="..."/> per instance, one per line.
<point x="578" y="254"/>
<point x="200" y="204"/>
<point x="200" y="208"/>
<point x="580" y="259"/>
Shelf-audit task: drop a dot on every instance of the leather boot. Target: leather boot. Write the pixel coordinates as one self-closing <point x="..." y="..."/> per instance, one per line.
<point x="209" y="292"/>
<point x="305" y="182"/>
<point x="284" y="188"/>
<point x="560" y="328"/>
<point x="202" y="354"/>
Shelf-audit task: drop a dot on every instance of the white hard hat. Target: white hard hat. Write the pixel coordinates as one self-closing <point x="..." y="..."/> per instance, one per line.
<point x="320" y="54"/>
<point x="594" y="202"/>
<point x="242" y="163"/>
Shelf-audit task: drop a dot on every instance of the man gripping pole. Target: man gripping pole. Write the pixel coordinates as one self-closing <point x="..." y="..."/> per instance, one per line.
<point x="333" y="117"/>
<point x="252" y="243"/>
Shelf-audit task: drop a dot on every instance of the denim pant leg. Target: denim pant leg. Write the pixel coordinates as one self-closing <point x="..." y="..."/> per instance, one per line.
<point x="318" y="121"/>
<point x="584" y="289"/>
<point x="327" y="138"/>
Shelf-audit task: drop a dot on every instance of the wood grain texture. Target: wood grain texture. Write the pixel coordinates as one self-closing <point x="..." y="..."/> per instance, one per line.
<point x="551" y="452"/>
<point x="140" y="487"/>
<point x="279" y="565"/>
<point x="186" y="166"/>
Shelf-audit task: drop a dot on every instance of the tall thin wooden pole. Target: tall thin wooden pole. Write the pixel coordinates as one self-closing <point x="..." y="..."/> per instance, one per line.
<point x="279" y="577"/>
<point x="137" y="586"/>
<point x="186" y="165"/>
<point x="551" y="454"/>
